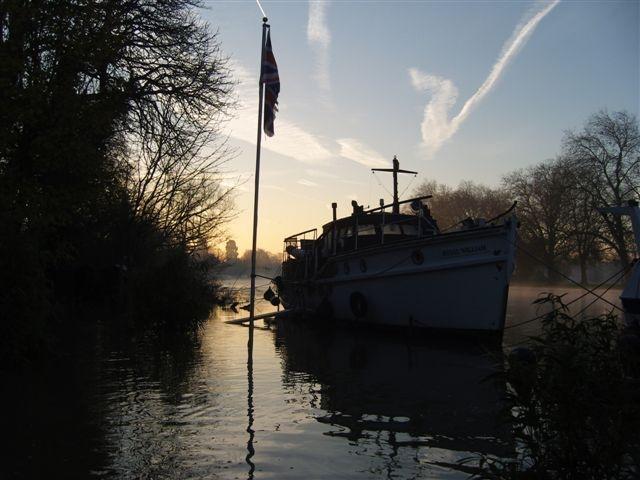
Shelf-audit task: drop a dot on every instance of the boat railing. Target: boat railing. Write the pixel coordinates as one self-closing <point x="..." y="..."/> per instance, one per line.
<point x="312" y="250"/>
<point x="390" y="205"/>
<point x="299" y="243"/>
<point x="303" y="234"/>
<point x="382" y="208"/>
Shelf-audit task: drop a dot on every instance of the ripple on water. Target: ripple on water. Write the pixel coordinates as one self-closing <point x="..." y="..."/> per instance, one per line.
<point x="324" y="404"/>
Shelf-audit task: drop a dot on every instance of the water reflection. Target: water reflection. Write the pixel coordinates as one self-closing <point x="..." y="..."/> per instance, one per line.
<point x="395" y="395"/>
<point x="250" y="448"/>
<point x="313" y="403"/>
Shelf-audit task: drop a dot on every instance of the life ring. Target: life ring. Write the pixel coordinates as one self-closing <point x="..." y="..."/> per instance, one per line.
<point x="417" y="257"/>
<point x="358" y="304"/>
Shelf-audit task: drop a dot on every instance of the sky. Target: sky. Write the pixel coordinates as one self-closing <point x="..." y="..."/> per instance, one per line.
<point x="458" y="90"/>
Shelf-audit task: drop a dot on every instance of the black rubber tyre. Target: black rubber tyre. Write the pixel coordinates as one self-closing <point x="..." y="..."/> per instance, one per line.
<point x="417" y="257"/>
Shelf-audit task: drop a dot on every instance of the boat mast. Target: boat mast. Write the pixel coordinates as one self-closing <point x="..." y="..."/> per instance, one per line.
<point x="395" y="170"/>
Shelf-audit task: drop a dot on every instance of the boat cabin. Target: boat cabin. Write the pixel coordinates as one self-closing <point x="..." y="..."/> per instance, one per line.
<point x="361" y="230"/>
<point x="372" y="228"/>
<point x="375" y="227"/>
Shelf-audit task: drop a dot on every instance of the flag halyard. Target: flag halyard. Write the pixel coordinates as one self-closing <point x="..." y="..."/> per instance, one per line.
<point x="269" y="76"/>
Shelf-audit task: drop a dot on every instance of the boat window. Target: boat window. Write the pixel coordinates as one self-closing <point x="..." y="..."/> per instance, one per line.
<point x="345" y="232"/>
<point x="401" y="229"/>
<point x="410" y="230"/>
<point x="366" y="230"/>
<point x="392" y="229"/>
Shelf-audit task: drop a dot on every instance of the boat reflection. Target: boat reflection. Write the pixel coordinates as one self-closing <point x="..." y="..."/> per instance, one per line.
<point x="400" y="390"/>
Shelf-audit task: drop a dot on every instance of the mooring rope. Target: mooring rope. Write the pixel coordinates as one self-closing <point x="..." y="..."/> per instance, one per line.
<point x="566" y="277"/>
<point x="619" y="274"/>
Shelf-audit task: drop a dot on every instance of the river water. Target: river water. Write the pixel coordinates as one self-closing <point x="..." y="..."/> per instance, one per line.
<point x="317" y="403"/>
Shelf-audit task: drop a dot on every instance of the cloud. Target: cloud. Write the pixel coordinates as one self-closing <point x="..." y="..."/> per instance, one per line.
<point x="436" y="128"/>
<point x="236" y="180"/>
<point x="358" y="152"/>
<point x="291" y="140"/>
<point x="319" y="37"/>
<point x="274" y="187"/>
<point x="321" y="174"/>
<point x="307" y="183"/>
<point x="330" y="176"/>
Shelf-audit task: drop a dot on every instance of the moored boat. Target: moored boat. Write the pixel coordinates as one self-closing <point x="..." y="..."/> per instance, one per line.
<point x="383" y="267"/>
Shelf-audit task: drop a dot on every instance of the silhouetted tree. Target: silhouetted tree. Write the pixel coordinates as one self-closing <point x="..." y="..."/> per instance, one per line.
<point x="449" y="206"/>
<point x="541" y="191"/>
<point x="585" y="228"/>
<point x="605" y="158"/>
<point x="264" y="259"/>
<point x="108" y="148"/>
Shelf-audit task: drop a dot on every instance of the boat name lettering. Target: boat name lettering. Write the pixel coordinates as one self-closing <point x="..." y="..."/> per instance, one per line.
<point x="473" y="249"/>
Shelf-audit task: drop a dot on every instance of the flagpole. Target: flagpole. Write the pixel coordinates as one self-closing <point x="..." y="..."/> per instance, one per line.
<point x="252" y="302"/>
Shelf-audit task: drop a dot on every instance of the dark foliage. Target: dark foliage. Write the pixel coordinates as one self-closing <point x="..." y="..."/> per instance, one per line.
<point x="104" y="186"/>
<point x="574" y="403"/>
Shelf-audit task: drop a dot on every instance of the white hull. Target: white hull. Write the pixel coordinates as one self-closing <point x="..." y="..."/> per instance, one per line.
<point x="450" y="281"/>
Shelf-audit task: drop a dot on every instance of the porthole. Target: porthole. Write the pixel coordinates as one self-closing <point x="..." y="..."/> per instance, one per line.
<point x="417" y="257"/>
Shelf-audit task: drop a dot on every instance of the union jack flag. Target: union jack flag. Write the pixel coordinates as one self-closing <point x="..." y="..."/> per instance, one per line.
<point x="269" y="76"/>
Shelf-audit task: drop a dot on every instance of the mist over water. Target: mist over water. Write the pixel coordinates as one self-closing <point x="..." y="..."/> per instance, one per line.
<point x="326" y="403"/>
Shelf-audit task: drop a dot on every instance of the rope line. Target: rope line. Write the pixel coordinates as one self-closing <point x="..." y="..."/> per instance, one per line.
<point x="381" y="184"/>
<point x="407" y="187"/>
<point x="397" y="264"/>
<point x="240" y="289"/>
<point x="606" y="290"/>
<point x="566" y="277"/>
<point x="618" y="274"/>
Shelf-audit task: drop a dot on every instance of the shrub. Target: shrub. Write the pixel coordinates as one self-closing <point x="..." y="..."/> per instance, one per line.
<point x="574" y="402"/>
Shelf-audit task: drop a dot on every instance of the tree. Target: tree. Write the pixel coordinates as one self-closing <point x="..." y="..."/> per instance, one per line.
<point x="450" y="206"/>
<point x="585" y="227"/>
<point x="606" y="159"/>
<point x="111" y="103"/>
<point x="265" y="260"/>
<point x="175" y="181"/>
<point x="109" y="148"/>
<point x="541" y="193"/>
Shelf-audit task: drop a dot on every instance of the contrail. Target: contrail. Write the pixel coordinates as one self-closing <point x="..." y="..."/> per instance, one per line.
<point x="511" y="48"/>
<point x="319" y="38"/>
<point x="436" y="127"/>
